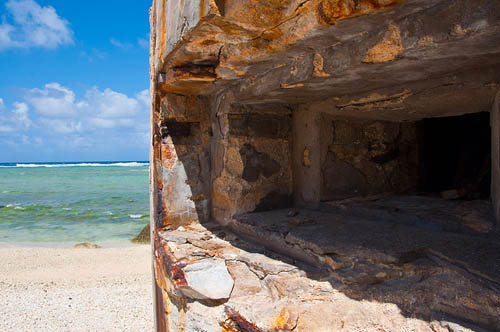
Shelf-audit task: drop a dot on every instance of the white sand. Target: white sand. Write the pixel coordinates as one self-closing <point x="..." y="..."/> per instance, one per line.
<point x="76" y="290"/>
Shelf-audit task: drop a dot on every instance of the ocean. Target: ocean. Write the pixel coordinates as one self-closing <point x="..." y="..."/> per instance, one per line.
<point x="67" y="203"/>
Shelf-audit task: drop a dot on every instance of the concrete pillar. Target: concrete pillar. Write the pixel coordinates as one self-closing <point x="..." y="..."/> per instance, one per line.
<point x="495" y="157"/>
<point x="306" y="157"/>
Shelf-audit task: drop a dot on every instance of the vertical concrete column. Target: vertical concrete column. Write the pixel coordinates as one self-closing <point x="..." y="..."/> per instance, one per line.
<point x="495" y="156"/>
<point x="306" y="157"/>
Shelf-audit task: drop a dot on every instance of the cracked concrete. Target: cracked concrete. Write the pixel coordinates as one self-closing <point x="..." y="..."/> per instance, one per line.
<point x="263" y="112"/>
<point x="269" y="285"/>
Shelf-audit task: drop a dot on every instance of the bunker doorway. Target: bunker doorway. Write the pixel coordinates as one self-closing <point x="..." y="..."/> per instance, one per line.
<point x="455" y="156"/>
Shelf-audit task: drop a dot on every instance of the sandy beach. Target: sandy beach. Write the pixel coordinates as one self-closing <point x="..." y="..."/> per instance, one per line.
<point x="76" y="290"/>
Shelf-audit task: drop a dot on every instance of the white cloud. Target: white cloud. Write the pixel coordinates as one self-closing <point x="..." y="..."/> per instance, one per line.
<point x="101" y="109"/>
<point x="102" y="123"/>
<point x="15" y="120"/>
<point x="54" y="117"/>
<point x="94" y="55"/>
<point x="33" y="26"/>
<point x="62" y="126"/>
<point x="30" y="140"/>
<point x="144" y="97"/>
<point x="20" y="115"/>
<point x="54" y="101"/>
<point x="6" y="40"/>
<point x="6" y="129"/>
<point x="25" y="139"/>
<point x="120" y="44"/>
<point x="111" y="104"/>
<point x="143" y="42"/>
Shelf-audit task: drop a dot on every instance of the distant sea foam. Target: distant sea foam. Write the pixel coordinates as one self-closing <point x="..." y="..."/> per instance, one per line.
<point x="79" y="164"/>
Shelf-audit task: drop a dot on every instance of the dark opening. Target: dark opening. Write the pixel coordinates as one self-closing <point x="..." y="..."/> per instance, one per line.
<point x="455" y="154"/>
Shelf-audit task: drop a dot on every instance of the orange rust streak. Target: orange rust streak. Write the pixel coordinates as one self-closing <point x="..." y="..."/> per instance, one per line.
<point x="331" y="11"/>
<point x="163" y="27"/>
<point x="183" y="76"/>
<point x="202" y="9"/>
<point x="193" y="88"/>
<point x="280" y="322"/>
<point x="259" y="13"/>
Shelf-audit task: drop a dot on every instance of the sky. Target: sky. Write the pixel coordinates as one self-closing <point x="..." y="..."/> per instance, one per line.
<point x="74" y="80"/>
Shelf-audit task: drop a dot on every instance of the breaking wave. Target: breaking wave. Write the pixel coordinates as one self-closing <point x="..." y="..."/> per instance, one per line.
<point x="97" y="164"/>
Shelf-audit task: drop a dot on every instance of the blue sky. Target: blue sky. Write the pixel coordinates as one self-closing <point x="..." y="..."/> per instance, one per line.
<point x="74" y="80"/>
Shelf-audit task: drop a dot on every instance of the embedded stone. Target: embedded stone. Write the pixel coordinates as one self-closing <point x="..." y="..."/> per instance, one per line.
<point x="207" y="280"/>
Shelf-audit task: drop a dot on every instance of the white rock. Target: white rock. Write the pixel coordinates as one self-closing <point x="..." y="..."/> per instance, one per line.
<point x="208" y="279"/>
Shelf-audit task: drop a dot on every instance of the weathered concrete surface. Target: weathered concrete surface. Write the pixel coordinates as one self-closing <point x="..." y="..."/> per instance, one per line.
<point x="251" y="154"/>
<point x="307" y="158"/>
<point x="260" y="105"/>
<point x="382" y="260"/>
<point x="352" y="286"/>
<point x="362" y="158"/>
<point x="290" y="52"/>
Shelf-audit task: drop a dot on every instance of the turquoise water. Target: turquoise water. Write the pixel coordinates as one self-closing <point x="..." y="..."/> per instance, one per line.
<point x="73" y="203"/>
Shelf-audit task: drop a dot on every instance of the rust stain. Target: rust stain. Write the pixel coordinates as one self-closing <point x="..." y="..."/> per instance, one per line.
<point x="285" y="321"/>
<point x="168" y="156"/>
<point x="202" y="9"/>
<point x="208" y="42"/>
<point x="171" y="266"/>
<point x="425" y="41"/>
<point x="306" y="158"/>
<point x="376" y="99"/>
<point x="318" y="66"/>
<point x="184" y="76"/>
<point x="188" y="79"/>
<point x="291" y="86"/>
<point x="332" y="11"/>
<point x="388" y="49"/>
<point x="458" y="30"/>
<point x="235" y="322"/>
<point x="259" y="13"/>
<point x="280" y="322"/>
<point x="160" y="308"/>
<point x="190" y="88"/>
<point x="258" y="28"/>
<point x="163" y="27"/>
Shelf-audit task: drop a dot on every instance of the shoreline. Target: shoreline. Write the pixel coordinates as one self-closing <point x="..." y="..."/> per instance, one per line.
<point x="69" y="245"/>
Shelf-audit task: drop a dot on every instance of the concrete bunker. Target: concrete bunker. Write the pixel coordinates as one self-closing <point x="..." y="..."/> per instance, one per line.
<point x="314" y="162"/>
<point x="438" y="161"/>
<point x="296" y="157"/>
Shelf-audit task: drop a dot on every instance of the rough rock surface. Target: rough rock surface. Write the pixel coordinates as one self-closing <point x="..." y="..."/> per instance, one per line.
<point x="86" y="245"/>
<point x="259" y="106"/>
<point x="348" y="285"/>
<point x="144" y="237"/>
<point x="207" y="280"/>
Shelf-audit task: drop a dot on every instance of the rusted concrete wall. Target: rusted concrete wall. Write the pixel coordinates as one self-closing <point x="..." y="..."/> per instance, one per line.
<point x="320" y="48"/>
<point x="337" y="158"/>
<point x="252" y="160"/>
<point x="173" y="19"/>
<point x="250" y="101"/>
<point x="184" y="125"/>
<point x="368" y="157"/>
